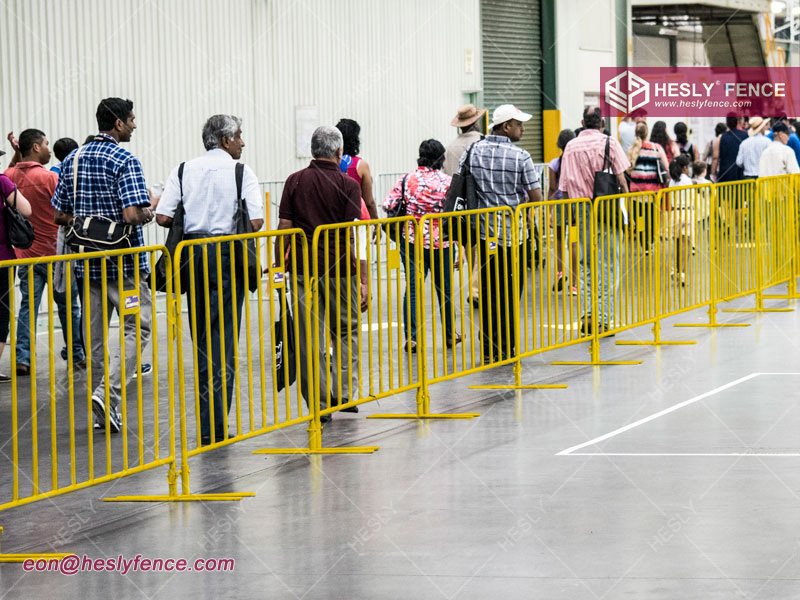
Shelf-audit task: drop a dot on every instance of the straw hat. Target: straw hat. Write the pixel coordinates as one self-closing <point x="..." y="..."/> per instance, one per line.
<point x="757" y="125"/>
<point x="467" y="115"/>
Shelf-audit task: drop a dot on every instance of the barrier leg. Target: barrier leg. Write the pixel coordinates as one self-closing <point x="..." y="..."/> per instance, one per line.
<point x="759" y="308"/>
<point x="518" y="385"/>
<point x="657" y="341"/>
<point x="22" y="557"/>
<point x="712" y="320"/>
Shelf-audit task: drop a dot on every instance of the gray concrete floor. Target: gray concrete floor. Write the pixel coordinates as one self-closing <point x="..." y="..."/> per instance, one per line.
<point x="700" y="501"/>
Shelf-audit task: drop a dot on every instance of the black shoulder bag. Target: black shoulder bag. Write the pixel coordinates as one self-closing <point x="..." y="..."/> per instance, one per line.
<point x="461" y="196"/>
<point x="398" y="210"/>
<point x="18" y="229"/>
<point x="95" y="233"/>
<point x="242" y="221"/>
<point x="174" y="237"/>
<point x="607" y="184"/>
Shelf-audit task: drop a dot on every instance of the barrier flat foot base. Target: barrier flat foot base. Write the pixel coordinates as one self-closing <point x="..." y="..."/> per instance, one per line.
<point x="599" y="363"/>
<point x="780" y="297"/>
<point x="670" y="343"/>
<point x="221" y="497"/>
<point x="305" y="451"/>
<point x="18" y="558"/>
<point x="428" y="416"/>
<point x="710" y="325"/>
<point x="520" y="387"/>
<point x="757" y="310"/>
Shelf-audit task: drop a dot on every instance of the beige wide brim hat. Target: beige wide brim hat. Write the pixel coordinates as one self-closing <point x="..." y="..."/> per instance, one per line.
<point x="467" y="115"/>
<point x="757" y="125"/>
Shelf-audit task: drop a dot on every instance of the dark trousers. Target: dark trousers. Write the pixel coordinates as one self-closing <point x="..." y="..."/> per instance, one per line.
<point x="440" y="262"/>
<point x="220" y="296"/>
<point x="497" y="301"/>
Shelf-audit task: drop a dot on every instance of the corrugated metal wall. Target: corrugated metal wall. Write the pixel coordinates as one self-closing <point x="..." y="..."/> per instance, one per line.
<point x="397" y="68"/>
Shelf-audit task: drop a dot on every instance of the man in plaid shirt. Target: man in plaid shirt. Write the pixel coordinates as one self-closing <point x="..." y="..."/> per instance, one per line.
<point x="504" y="176"/>
<point x="110" y="184"/>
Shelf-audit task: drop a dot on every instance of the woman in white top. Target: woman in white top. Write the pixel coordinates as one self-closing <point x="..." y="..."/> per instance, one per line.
<point x="680" y="208"/>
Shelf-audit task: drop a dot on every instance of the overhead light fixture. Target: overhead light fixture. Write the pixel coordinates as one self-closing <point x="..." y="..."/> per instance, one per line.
<point x="778" y="7"/>
<point x="665" y="31"/>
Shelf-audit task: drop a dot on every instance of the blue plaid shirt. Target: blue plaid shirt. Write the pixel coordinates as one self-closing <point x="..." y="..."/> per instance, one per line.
<point x="109" y="179"/>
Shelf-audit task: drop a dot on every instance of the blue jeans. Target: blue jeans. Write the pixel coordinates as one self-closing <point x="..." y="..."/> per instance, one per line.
<point x="23" y="321"/>
<point x="441" y="281"/>
<point x="606" y="263"/>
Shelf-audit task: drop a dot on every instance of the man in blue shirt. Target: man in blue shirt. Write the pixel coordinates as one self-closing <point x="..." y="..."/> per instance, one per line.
<point x="794" y="141"/>
<point x="111" y="185"/>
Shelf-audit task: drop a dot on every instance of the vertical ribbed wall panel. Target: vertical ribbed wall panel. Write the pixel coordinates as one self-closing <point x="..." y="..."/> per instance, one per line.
<point x="397" y="68"/>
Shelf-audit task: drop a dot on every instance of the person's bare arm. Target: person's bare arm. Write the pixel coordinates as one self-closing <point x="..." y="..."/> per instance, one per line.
<point x="17" y="156"/>
<point x="696" y="152"/>
<point x="22" y="204"/>
<point x="714" y="159"/>
<point x="257" y="224"/>
<point x="366" y="188"/>
<point x="623" y="183"/>
<point x="62" y="218"/>
<point x="553" y="185"/>
<point x="137" y="215"/>
<point x="535" y="195"/>
<point x="278" y="249"/>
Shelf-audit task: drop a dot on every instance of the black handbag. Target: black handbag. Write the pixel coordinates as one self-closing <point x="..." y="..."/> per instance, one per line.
<point x="398" y="210"/>
<point x="174" y="237"/>
<point x="18" y="229"/>
<point x="661" y="173"/>
<point x="284" y="349"/>
<point x="607" y="184"/>
<point x="95" y="233"/>
<point x="242" y="221"/>
<point x="461" y="196"/>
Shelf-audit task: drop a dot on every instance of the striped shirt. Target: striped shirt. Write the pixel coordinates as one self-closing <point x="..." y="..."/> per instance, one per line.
<point x="109" y="179"/>
<point x="750" y="151"/>
<point x="504" y="174"/>
<point x="644" y="174"/>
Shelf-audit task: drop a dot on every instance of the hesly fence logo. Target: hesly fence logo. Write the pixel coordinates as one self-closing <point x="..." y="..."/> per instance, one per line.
<point x="635" y="94"/>
<point x="699" y="91"/>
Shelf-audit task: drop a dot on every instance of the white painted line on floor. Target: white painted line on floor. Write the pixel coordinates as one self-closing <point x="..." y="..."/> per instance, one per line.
<point x="737" y="454"/>
<point x="661" y="413"/>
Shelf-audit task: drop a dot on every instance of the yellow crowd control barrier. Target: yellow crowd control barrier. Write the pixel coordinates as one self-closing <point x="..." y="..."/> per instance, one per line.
<point x="777" y="235"/>
<point x="73" y="413"/>
<point x="552" y="295"/>
<point x="473" y="259"/>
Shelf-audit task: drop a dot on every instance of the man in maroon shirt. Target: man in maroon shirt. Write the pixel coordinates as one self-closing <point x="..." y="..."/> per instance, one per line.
<point x="38" y="184"/>
<point x="320" y="195"/>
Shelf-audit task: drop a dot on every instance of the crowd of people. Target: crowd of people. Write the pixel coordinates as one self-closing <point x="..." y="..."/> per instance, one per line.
<point x="208" y="195"/>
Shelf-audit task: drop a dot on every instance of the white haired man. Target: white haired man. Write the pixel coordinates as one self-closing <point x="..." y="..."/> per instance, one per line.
<point x="208" y="188"/>
<point x="321" y="195"/>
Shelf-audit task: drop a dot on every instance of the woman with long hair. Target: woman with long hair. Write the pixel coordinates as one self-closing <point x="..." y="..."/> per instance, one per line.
<point x="647" y="173"/>
<point x="684" y="145"/>
<point x="355" y="166"/>
<point x="660" y="136"/>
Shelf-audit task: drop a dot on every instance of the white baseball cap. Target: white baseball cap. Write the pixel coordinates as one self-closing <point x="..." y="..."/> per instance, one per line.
<point x="506" y="112"/>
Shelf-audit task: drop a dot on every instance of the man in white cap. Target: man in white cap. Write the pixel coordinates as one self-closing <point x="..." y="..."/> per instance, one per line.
<point x="504" y="177"/>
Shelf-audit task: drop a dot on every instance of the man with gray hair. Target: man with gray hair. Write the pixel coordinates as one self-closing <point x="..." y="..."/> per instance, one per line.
<point x="207" y="186"/>
<point x="321" y="195"/>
